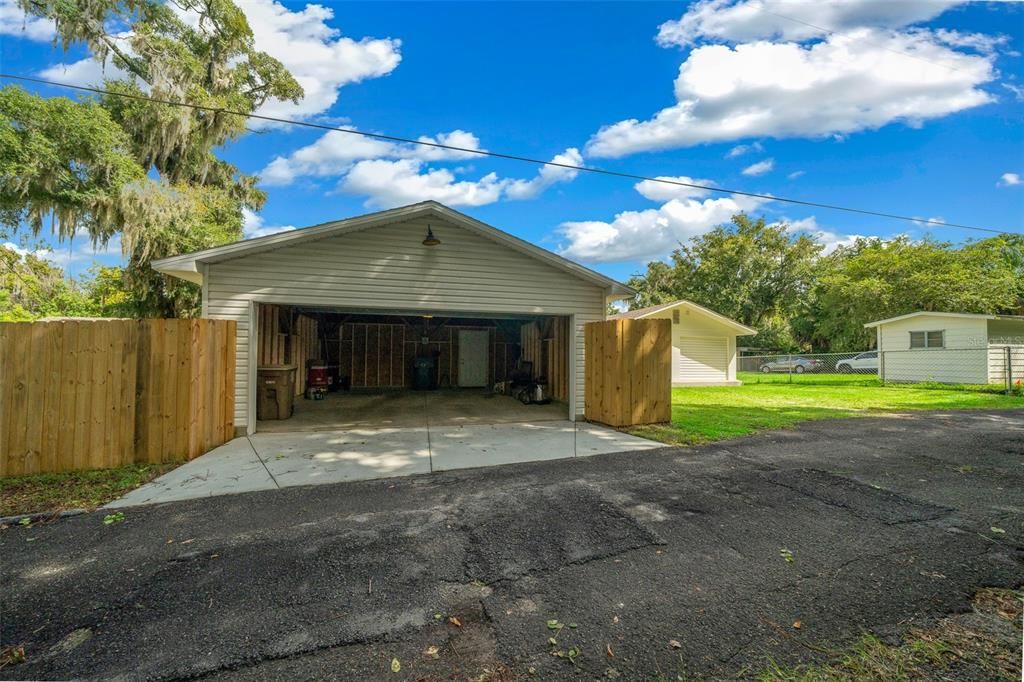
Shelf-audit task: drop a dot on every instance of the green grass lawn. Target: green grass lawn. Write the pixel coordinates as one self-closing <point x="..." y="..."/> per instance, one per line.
<point x="704" y="414"/>
<point x="73" y="489"/>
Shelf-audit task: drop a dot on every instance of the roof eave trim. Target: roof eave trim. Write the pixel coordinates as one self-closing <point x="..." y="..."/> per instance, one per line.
<point x="918" y="313"/>
<point x="747" y="331"/>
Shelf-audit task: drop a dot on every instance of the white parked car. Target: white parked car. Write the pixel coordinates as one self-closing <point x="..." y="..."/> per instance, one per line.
<point x="864" y="363"/>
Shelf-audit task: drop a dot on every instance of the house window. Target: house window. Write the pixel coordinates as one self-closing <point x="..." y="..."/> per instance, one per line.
<point x="675" y="316"/>
<point x="928" y="339"/>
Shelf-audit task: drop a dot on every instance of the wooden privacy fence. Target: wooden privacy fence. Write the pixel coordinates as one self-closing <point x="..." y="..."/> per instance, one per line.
<point x="89" y="394"/>
<point x="628" y="372"/>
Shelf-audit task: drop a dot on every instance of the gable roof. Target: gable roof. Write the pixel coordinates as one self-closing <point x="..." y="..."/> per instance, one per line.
<point x="977" y="316"/>
<point x="187" y="266"/>
<point x="641" y="313"/>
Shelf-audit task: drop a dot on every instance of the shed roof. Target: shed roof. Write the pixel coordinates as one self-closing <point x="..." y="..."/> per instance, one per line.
<point x="977" y="316"/>
<point x="640" y="313"/>
<point x="187" y="266"/>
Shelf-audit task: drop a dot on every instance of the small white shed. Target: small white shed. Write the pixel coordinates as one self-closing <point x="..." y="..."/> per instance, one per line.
<point x="401" y="284"/>
<point x="950" y="348"/>
<point x="703" y="342"/>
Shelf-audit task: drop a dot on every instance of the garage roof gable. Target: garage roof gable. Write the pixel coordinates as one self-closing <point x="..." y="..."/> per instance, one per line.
<point x="188" y="266"/>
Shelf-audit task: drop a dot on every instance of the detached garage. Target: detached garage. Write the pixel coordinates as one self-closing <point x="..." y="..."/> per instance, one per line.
<point x="420" y="296"/>
<point x="703" y="342"/>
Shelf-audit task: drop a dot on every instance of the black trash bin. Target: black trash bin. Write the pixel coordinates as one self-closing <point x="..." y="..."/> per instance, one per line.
<point x="424" y="373"/>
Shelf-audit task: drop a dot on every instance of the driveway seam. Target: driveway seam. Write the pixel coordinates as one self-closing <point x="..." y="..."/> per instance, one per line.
<point x="265" y="467"/>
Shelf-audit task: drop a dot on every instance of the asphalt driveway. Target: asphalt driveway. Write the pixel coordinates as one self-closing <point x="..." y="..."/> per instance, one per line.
<point x="888" y="521"/>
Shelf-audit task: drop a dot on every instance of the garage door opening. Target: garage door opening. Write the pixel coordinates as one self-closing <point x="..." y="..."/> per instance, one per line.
<point x="410" y="370"/>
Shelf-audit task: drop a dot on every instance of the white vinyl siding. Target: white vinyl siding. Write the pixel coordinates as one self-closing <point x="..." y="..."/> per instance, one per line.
<point x="386" y="268"/>
<point x="957" y="332"/>
<point x="692" y="323"/>
<point x="962" y="360"/>
<point x="997" y="359"/>
<point x="703" y="359"/>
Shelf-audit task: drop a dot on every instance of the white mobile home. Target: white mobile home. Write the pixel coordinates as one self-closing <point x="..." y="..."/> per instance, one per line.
<point x="398" y="285"/>
<point x="950" y="348"/>
<point x="703" y="342"/>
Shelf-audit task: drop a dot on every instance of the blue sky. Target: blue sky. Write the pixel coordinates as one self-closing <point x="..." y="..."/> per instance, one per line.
<point x="912" y="107"/>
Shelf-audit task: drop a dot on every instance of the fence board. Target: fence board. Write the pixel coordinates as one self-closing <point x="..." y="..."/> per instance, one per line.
<point x="628" y="372"/>
<point x="80" y="394"/>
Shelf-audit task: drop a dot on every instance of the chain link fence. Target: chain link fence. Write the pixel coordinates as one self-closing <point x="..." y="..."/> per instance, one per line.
<point x="995" y="368"/>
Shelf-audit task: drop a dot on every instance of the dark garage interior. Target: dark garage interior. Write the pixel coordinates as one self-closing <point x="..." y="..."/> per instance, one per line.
<point x="371" y="362"/>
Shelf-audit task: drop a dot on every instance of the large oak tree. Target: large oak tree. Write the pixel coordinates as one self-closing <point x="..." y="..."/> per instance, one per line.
<point x="128" y="164"/>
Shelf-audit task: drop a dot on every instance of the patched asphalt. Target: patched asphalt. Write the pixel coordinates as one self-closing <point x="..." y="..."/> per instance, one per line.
<point x="672" y="559"/>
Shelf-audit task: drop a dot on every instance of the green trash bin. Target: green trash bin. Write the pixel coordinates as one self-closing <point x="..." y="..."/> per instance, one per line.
<point x="424" y="372"/>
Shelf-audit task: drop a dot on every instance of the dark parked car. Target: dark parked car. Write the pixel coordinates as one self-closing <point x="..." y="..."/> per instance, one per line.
<point x="794" y="365"/>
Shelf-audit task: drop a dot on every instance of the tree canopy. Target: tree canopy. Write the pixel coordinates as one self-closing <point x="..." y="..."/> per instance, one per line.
<point x="753" y="272"/>
<point x="130" y="165"/>
<point x="798" y="297"/>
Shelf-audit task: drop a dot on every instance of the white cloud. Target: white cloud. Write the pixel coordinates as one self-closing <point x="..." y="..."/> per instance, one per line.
<point x="78" y="250"/>
<point x="331" y="155"/>
<point x="660" y="191"/>
<point x="321" y="59"/>
<point x="1016" y="90"/>
<point x="741" y="149"/>
<point x="404" y="181"/>
<point x="651" y="233"/>
<point x="456" y="138"/>
<point x="394" y="182"/>
<point x="335" y="153"/>
<point x="972" y="41"/>
<point x="1009" y="180"/>
<point x="393" y="174"/>
<point x="253" y="226"/>
<point x="318" y="56"/>
<point x="861" y="79"/>
<point x="655" y="232"/>
<point x="84" y="72"/>
<point x="14" y="22"/>
<point x="748" y="20"/>
<point x="22" y="252"/>
<point x="809" y="226"/>
<point x="759" y="168"/>
<point x="546" y="176"/>
<point x="796" y="174"/>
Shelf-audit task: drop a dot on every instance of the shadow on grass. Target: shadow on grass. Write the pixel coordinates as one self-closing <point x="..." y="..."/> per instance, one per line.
<point x="693" y="425"/>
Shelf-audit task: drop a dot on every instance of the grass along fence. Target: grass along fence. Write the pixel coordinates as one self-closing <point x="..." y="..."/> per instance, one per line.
<point x="90" y="394"/>
<point x="989" y="369"/>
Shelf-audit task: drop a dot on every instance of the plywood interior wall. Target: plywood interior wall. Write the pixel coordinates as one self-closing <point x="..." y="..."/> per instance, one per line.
<point x="380" y="355"/>
<point x="546" y="344"/>
<point x="288" y="338"/>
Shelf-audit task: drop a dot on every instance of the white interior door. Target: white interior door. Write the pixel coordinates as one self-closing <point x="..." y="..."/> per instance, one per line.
<point x="473" y="346"/>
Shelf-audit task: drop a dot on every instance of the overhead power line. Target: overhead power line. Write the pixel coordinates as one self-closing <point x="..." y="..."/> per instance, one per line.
<point x="511" y="157"/>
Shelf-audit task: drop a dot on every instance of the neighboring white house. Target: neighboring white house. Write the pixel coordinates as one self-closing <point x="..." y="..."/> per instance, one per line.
<point x="951" y="348"/>
<point x="703" y="342"/>
<point x="419" y="263"/>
